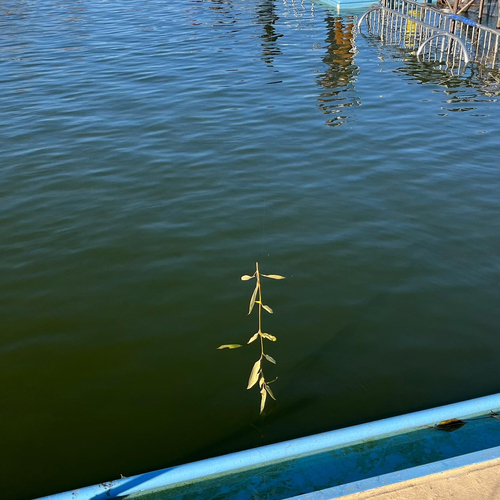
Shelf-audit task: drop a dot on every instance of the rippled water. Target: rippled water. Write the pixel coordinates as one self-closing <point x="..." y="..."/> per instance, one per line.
<point x="152" y="151"/>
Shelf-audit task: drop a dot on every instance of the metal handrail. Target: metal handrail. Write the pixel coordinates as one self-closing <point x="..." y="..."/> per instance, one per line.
<point x="412" y="19"/>
<point x="462" y="45"/>
<point x="422" y="24"/>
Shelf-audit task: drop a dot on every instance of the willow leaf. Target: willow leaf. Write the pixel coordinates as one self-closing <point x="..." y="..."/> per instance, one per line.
<point x="267" y="308"/>
<point x="261" y="381"/>
<point x="229" y="346"/>
<point x="274" y="276"/>
<point x="245" y="277"/>
<point x="254" y="374"/>
<point x="268" y="336"/>
<point x="268" y="389"/>
<point x="450" y="425"/>
<point x="253" y="338"/>
<point x="263" y="395"/>
<point x="270" y="358"/>
<point x="254" y="296"/>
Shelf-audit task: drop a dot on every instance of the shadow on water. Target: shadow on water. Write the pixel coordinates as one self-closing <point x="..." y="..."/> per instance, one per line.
<point x="277" y="421"/>
<point x="342" y="71"/>
<point x="267" y="17"/>
<point x="120" y="488"/>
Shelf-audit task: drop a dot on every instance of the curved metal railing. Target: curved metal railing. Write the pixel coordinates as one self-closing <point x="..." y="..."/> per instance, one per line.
<point x="433" y="34"/>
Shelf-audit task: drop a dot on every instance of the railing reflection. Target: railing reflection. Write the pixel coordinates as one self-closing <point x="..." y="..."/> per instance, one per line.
<point x="223" y="10"/>
<point x="298" y="8"/>
<point x="267" y="17"/>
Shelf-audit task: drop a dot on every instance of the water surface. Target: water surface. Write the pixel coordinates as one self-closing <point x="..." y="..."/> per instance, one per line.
<point x="152" y="152"/>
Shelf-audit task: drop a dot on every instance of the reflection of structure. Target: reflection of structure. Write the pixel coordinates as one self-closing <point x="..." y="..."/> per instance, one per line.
<point x="341" y="72"/>
<point x="297" y="8"/>
<point x="222" y="13"/>
<point x="266" y="16"/>
<point x="223" y="10"/>
<point x="481" y="82"/>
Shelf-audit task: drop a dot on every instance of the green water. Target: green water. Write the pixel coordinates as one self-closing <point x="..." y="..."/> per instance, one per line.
<point x="151" y="153"/>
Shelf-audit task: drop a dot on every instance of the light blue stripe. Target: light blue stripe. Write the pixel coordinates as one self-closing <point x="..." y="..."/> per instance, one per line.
<point x="279" y="451"/>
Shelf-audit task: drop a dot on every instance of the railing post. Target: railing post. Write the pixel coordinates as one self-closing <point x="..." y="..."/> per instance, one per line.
<point x="480" y="15"/>
<point x="411" y="23"/>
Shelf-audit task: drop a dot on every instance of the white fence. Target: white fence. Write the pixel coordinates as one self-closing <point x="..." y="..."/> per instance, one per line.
<point x="434" y="35"/>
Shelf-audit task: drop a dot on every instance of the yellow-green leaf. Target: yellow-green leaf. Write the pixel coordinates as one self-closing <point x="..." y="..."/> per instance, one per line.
<point x="267" y="308"/>
<point x="253" y="338"/>
<point x="270" y="358"/>
<point x="261" y="381"/>
<point x="450" y="425"/>
<point x="268" y="389"/>
<point x="245" y="277"/>
<point x="254" y="374"/>
<point x="263" y="395"/>
<point x="229" y="346"/>
<point x="269" y="337"/>
<point x="254" y="296"/>
<point x="274" y="276"/>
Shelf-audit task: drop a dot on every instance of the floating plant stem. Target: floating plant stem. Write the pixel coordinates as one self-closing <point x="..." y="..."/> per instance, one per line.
<point x="257" y="373"/>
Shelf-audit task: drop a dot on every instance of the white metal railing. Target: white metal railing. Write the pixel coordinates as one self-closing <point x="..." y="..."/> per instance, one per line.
<point x="433" y="34"/>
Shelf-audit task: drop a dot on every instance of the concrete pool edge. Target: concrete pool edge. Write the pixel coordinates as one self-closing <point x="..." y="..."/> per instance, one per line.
<point x="248" y="459"/>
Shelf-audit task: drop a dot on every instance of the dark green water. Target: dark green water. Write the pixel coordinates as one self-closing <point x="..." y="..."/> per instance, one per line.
<point x="152" y="151"/>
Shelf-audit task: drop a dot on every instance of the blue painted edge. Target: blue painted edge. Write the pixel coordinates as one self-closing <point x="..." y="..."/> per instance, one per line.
<point x="280" y="451"/>
<point x="404" y="475"/>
